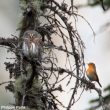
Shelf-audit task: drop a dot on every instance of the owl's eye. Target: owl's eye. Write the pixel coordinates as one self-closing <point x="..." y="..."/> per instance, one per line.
<point x="34" y="35"/>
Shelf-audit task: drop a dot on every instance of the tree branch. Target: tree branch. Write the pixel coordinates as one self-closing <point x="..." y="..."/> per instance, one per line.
<point x="10" y="42"/>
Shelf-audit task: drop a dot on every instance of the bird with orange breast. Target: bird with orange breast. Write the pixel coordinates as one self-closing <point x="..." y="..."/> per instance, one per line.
<point x="92" y="73"/>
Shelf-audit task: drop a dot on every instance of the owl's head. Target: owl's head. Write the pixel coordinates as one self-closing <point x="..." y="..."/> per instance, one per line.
<point x="30" y="34"/>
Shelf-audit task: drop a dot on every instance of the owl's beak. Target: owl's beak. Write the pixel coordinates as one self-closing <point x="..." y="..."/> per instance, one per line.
<point x="31" y="36"/>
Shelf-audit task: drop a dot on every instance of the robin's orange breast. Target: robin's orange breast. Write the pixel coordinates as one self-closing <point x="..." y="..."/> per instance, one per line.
<point x="91" y="74"/>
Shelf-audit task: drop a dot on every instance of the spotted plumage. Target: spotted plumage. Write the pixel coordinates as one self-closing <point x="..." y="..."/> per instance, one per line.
<point x="32" y="44"/>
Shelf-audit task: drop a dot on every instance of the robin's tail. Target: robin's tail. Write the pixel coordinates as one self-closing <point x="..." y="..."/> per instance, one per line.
<point x="99" y="84"/>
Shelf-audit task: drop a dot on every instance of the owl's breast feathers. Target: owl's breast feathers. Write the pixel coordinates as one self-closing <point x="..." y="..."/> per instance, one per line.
<point x="38" y="41"/>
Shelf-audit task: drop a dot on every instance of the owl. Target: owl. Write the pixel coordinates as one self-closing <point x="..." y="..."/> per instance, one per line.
<point x="32" y="44"/>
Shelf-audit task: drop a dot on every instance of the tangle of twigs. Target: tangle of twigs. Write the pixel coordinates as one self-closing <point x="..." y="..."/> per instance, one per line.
<point x="56" y="25"/>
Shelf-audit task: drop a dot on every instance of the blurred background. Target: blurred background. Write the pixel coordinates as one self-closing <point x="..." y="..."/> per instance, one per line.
<point x="97" y="48"/>
<point x="9" y="19"/>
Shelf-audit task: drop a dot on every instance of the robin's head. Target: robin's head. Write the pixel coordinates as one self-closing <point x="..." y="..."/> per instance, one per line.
<point x="91" y="64"/>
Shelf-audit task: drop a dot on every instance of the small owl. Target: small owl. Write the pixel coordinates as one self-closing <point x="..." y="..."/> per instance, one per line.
<point x="32" y="44"/>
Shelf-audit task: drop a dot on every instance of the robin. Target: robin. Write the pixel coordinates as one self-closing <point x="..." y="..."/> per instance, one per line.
<point x="92" y="74"/>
